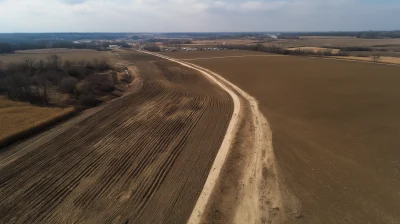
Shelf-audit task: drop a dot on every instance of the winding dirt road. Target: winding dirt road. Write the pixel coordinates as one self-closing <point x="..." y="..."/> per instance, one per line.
<point x="259" y="194"/>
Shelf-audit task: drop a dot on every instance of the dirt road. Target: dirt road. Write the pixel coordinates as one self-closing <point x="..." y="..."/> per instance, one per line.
<point x="259" y="192"/>
<point x="143" y="158"/>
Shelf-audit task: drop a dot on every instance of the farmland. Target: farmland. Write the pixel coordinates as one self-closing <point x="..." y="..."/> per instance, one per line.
<point x="335" y="129"/>
<point x="339" y="41"/>
<point x="145" y="162"/>
<point x="66" y="54"/>
<point x="17" y="117"/>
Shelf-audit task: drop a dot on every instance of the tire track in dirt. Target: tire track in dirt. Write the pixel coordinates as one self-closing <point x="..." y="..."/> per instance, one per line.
<point x="140" y="159"/>
<point x="260" y="194"/>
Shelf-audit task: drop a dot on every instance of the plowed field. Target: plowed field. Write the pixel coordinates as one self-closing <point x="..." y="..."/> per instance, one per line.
<point x="142" y="158"/>
<point x="335" y="132"/>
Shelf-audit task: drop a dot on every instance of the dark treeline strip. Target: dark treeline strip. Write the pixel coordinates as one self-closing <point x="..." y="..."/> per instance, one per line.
<point x="361" y="34"/>
<point x="172" y="41"/>
<point x="280" y="50"/>
<point x="28" y="37"/>
<point x="12" y="47"/>
<point x="152" y="47"/>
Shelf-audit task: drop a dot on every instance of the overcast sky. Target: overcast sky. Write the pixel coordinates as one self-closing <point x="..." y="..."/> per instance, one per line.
<point x="197" y="15"/>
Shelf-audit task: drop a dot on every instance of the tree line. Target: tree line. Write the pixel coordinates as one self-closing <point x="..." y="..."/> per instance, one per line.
<point x="280" y="50"/>
<point x="6" y="48"/>
<point x="34" y="81"/>
<point x="358" y="34"/>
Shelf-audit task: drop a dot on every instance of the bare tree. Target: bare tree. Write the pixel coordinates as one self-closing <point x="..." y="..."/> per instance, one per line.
<point x="29" y="63"/>
<point x="376" y="58"/>
<point x="42" y="87"/>
<point x="41" y="66"/>
<point x="54" y="61"/>
<point x="68" y="84"/>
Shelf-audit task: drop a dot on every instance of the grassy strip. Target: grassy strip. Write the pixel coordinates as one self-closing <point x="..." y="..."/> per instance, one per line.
<point x="36" y="127"/>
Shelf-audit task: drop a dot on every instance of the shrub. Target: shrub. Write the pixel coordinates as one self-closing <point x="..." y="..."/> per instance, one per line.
<point x="68" y="85"/>
<point x="152" y="47"/>
<point x="88" y="100"/>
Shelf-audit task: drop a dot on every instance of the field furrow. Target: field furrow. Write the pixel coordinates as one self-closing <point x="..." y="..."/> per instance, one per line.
<point x="143" y="158"/>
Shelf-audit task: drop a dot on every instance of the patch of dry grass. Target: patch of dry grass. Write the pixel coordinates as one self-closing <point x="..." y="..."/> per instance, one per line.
<point x="19" y="118"/>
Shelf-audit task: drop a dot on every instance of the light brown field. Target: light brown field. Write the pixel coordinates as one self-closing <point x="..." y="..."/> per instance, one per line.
<point x="66" y="54"/>
<point x="17" y="117"/>
<point x="142" y="158"/>
<point x="335" y="131"/>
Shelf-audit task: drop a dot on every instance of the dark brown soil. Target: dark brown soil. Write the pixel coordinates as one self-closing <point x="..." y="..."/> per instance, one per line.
<point x="143" y="158"/>
<point x="336" y="132"/>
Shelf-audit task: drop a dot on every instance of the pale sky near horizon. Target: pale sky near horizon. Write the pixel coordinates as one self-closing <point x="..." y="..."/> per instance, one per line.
<point x="197" y="15"/>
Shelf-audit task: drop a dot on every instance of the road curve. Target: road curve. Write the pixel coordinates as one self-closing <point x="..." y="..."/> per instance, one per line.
<point x="201" y="204"/>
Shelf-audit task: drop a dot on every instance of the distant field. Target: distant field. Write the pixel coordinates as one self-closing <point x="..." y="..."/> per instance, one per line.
<point x="336" y="131"/>
<point x="66" y="54"/>
<point x="17" y="117"/>
<point x="370" y="53"/>
<point x="389" y="60"/>
<point x="341" y="42"/>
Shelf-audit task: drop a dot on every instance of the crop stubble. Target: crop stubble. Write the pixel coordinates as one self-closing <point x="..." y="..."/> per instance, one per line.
<point x="335" y="131"/>
<point x="143" y="158"/>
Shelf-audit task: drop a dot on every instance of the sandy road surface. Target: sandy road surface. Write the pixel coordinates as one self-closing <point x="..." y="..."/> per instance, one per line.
<point x="259" y="194"/>
<point x="143" y="158"/>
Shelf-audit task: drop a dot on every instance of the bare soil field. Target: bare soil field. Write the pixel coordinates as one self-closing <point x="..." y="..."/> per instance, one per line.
<point x="66" y="54"/>
<point x="384" y="59"/>
<point x="142" y="158"/>
<point x="335" y="133"/>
